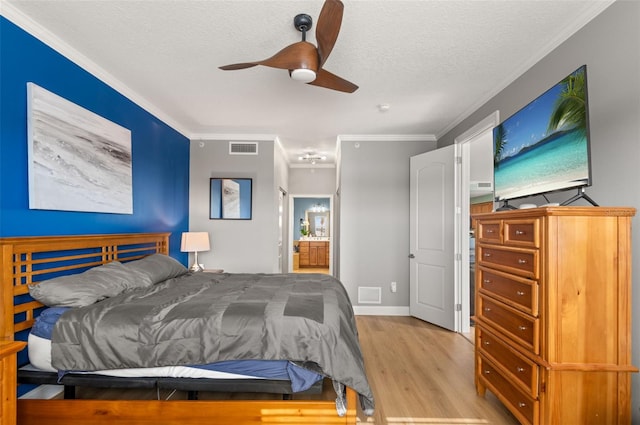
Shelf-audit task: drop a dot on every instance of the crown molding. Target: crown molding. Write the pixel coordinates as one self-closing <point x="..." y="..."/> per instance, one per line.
<point x="387" y="138"/>
<point x="229" y="137"/>
<point x="301" y="165"/>
<point x="597" y="7"/>
<point x="47" y="37"/>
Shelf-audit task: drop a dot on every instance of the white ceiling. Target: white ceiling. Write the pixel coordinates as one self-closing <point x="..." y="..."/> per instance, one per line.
<point x="433" y="62"/>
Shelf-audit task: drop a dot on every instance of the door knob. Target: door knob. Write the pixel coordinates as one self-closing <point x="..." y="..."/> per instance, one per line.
<point x="412" y="256"/>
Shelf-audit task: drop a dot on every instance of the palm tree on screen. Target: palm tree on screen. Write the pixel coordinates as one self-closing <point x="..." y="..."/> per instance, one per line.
<point x="569" y="109"/>
<point x="499" y="140"/>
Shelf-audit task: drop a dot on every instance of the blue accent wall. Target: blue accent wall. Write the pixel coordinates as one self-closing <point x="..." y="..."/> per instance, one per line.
<point x="160" y="155"/>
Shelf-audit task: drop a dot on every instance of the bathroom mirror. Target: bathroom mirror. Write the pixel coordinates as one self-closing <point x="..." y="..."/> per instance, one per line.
<point x="318" y="223"/>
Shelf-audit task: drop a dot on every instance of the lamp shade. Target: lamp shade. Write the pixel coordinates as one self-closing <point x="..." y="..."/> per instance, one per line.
<point x="195" y="242"/>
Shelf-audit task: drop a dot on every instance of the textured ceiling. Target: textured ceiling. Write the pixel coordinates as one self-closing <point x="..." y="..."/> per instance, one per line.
<point x="432" y="62"/>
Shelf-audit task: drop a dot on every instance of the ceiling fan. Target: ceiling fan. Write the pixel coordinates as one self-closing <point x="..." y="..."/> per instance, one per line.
<point x="303" y="60"/>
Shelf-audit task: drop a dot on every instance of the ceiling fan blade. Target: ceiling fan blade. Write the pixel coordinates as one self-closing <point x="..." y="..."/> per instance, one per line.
<point x="328" y="28"/>
<point x="331" y="81"/>
<point x="295" y="56"/>
<point x="238" y="66"/>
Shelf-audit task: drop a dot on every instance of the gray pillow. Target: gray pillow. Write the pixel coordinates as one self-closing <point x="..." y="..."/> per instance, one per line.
<point x="85" y="288"/>
<point x="157" y="268"/>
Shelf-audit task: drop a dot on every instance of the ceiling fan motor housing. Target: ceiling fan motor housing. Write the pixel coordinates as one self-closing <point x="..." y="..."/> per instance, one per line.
<point x="303" y="23"/>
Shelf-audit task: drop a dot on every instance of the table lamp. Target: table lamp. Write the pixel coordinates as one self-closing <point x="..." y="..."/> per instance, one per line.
<point x="195" y="242"/>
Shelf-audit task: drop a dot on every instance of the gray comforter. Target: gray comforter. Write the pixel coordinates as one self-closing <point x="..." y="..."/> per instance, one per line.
<point x="204" y="317"/>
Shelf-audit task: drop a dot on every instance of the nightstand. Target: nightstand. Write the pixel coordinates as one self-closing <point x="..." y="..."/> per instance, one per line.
<point x="213" y="270"/>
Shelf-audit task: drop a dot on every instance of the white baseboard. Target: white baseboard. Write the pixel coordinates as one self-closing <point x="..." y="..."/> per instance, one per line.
<point x="361" y="310"/>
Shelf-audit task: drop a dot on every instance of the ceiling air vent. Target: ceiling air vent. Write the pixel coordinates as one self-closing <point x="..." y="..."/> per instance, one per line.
<point x="243" y="148"/>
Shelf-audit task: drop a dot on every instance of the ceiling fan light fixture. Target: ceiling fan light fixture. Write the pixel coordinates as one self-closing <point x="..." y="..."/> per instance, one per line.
<point x="304" y="75"/>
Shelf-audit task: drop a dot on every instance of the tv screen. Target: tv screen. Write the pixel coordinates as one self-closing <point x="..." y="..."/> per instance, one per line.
<point x="544" y="147"/>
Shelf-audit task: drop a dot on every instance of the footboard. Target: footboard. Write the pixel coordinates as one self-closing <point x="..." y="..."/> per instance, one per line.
<point x="181" y="412"/>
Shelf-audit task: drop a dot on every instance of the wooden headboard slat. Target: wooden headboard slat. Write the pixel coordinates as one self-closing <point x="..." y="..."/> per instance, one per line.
<point x="59" y="255"/>
<point x="30" y="306"/>
<point x="23" y="325"/>
<point x="20" y="290"/>
<point x="28" y="275"/>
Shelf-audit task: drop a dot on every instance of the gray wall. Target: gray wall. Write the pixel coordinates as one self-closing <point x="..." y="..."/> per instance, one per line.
<point x="610" y="47"/>
<point x="238" y="245"/>
<point x="374" y="216"/>
<point x="312" y="181"/>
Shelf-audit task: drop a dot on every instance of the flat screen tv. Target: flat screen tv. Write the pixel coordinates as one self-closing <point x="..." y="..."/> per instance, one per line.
<point x="544" y="147"/>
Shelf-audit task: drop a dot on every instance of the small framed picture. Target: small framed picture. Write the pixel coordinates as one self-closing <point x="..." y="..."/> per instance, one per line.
<point x="230" y="198"/>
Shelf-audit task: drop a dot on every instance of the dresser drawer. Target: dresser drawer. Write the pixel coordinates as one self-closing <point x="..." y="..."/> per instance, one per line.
<point x="516" y="291"/>
<point x="524" y="407"/>
<point x="489" y="231"/>
<point x="521" y="261"/>
<point x="525" y="233"/>
<point x="520" y="326"/>
<point x="523" y="371"/>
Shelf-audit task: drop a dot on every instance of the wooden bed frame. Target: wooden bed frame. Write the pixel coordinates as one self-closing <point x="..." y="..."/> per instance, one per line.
<point x="29" y="260"/>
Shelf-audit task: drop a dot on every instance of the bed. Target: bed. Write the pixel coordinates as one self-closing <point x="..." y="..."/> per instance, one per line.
<point x="27" y="262"/>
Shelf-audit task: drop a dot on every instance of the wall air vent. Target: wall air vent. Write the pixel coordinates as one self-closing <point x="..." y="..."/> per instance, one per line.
<point x="243" y="148"/>
<point x="481" y="186"/>
<point x="369" y="295"/>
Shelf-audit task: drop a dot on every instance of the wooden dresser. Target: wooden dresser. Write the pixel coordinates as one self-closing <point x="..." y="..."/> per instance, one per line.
<point x="553" y="313"/>
<point x="8" y="379"/>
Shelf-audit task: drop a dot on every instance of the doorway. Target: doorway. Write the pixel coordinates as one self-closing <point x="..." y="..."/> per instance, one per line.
<point x="476" y="150"/>
<point x="311" y="230"/>
<point x="440" y="285"/>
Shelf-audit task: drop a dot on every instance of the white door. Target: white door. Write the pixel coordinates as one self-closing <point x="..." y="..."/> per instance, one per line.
<point x="432" y="240"/>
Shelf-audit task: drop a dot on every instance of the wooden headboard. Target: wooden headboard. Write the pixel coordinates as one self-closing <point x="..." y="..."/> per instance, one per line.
<point x="29" y="260"/>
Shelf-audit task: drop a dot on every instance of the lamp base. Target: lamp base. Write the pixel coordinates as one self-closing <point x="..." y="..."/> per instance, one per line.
<point x="196" y="267"/>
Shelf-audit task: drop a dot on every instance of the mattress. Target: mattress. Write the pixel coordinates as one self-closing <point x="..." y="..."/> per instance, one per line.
<point x="39" y="350"/>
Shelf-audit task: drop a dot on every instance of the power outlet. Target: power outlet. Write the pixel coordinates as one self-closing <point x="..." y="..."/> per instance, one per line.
<point x="394" y="287"/>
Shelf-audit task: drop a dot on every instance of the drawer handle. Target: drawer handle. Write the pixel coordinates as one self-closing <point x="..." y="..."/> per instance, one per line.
<point x="489" y="230"/>
<point x="520" y="369"/>
<point x="486" y="281"/>
<point x="522" y="404"/>
<point x="519" y="232"/>
<point x="487" y="372"/>
<point x="521" y="261"/>
<point x="522" y="328"/>
<point x="487" y="309"/>
<point x="520" y="293"/>
<point x="487" y="343"/>
<point x="486" y="254"/>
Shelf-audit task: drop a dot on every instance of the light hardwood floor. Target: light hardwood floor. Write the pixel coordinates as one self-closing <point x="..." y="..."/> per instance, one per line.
<point x="323" y="270"/>
<point x="420" y="374"/>
<point x="423" y="374"/>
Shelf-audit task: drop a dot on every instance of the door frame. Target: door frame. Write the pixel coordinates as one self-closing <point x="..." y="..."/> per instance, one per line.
<point x="293" y="233"/>
<point x="463" y="151"/>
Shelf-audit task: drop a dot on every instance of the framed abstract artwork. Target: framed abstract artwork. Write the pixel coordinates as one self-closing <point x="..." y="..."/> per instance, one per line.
<point x="230" y="198"/>
<point x="77" y="160"/>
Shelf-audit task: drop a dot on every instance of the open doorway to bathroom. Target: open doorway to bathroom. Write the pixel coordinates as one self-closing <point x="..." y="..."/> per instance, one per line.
<point x="311" y="232"/>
